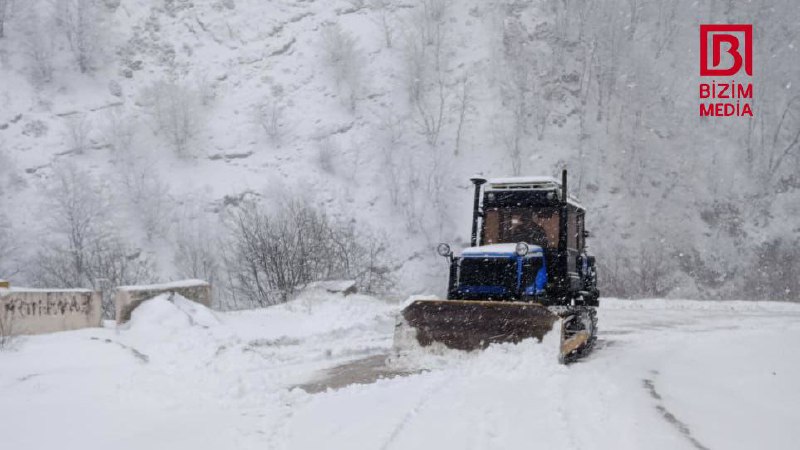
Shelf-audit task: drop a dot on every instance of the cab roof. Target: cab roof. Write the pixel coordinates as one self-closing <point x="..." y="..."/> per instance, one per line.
<point x="529" y="183"/>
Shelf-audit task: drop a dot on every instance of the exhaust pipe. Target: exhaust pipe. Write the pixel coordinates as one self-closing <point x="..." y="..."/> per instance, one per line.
<point x="476" y="212"/>
<point x="563" y="256"/>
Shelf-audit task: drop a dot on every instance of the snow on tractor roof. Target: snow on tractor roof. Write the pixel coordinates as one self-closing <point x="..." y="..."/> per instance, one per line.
<point x="528" y="184"/>
<point x="539" y="182"/>
<point x="499" y="250"/>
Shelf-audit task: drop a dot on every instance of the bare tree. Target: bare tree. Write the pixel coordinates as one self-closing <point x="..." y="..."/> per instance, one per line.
<point x="79" y="212"/>
<point x="643" y="271"/>
<point x="426" y="67"/>
<point x="176" y="113"/>
<point x="196" y="255"/>
<point x="4" y="7"/>
<point x="327" y="151"/>
<point x="7" y="332"/>
<point x="37" y="45"/>
<point x="6" y="170"/>
<point x="148" y="195"/>
<point x="273" y="255"/>
<point x="120" y="130"/>
<point x="432" y="15"/>
<point x="634" y="17"/>
<point x="610" y="47"/>
<point x="269" y="117"/>
<point x="78" y="129"/>
<point x="384" y="10"/>
<point x="343" y="56"/>
<point x="512" y="142"/>
<point x="776" y="268"/>
<point x="517" y="92"/>
<point x="464" y="108"/>
<point x="785" y="139"/>
<point x="389" y="138"/>
<point x="81" y="20"/>
<point x="83" y="248"/>
<point x="665" y="26"/>
<point x="40" y="52"/>
<point x="8" y="250"/>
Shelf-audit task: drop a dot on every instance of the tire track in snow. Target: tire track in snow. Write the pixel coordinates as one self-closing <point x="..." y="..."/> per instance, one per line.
<point x="565" y="417"/>
<point x="409" y="416"/>
<point x="136" y="353"/>
<point x="670" y="417"/>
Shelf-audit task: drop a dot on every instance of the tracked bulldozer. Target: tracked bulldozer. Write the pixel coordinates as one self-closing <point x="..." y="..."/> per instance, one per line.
<point x="526" y="273"/>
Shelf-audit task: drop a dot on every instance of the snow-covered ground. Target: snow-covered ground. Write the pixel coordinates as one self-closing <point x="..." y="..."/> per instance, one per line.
<point x="665" y="375"/>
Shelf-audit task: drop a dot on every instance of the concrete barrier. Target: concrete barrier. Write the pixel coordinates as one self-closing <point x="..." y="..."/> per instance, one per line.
<point x="127" y="298"/>
<point x="37" y="311"/>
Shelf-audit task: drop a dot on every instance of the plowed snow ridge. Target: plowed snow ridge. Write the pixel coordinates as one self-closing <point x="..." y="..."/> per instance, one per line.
<point x="666" y="374"/>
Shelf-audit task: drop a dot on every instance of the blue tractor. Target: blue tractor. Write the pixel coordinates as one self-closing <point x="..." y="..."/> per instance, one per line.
<point x="526" y="270"/>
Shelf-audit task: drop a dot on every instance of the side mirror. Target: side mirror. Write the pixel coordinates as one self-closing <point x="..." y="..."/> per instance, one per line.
<point x="444" y="250"/>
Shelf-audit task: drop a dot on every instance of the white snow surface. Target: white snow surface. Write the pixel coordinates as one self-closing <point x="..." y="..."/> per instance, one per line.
<point x="665" y="375"/>
<point x="160" y="286"/>
<point x="26" y="289"/>
<point x="523" y="180"/>
<point x="509" y="248"/>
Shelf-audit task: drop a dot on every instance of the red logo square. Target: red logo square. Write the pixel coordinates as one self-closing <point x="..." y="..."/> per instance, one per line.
<point x="724" y="34"/>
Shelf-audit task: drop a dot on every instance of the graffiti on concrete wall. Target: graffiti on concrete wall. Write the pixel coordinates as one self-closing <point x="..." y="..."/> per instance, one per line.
<point x="46" y="307"/>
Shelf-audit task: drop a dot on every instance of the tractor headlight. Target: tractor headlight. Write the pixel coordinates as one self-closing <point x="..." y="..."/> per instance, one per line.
<point x="443" y="250"/>
<point x="522" y="249"/>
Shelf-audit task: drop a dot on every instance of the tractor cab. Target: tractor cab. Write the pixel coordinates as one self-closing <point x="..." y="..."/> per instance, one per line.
<point x="528" y="243"/>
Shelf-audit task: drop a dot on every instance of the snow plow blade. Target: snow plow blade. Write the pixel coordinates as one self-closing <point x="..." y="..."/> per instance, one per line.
<point x="470" y="325"/>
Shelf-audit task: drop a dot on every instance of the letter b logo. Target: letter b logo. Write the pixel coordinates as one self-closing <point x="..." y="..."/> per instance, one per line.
<point x="725" y="40"/>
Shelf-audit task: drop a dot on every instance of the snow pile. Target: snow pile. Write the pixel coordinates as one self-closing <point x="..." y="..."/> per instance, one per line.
<point x="169" y="312"/>
<point x="438" y="356"/>
<point x="317" y="312"/>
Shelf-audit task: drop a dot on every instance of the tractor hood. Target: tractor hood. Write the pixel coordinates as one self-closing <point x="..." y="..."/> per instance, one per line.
<point x="499" y="251"/>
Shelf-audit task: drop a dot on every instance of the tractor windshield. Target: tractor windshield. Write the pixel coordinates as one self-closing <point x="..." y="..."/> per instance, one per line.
<point x="535" y="226"/>
<point x="500" y="272"/>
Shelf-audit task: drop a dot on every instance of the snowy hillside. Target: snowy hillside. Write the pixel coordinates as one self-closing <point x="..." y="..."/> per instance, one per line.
<point x="666" y="375"/>
<point x="176" y="113"/>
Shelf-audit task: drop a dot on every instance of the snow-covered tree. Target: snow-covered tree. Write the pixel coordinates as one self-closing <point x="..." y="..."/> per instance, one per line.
<point x="4" y="8"/>
<point x="85" y="248"/>
<point x="82" y="23"/>
<point x="177" y="114"/>
<point x="343" y="56"/>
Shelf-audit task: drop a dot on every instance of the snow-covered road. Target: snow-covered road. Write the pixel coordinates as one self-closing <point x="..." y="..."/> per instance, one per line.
<point x="665" y="375"/>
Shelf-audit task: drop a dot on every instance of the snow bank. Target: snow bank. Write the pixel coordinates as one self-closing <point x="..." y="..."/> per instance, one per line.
<point x="183" y="377"/>
<point x="316" y="312"/>
<point x="170" y="312"/>
<point x="128" y="298"/>
<point x="165" y="286"/>
<point x="345" y="287"/>
<point x="699" y="305"/>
